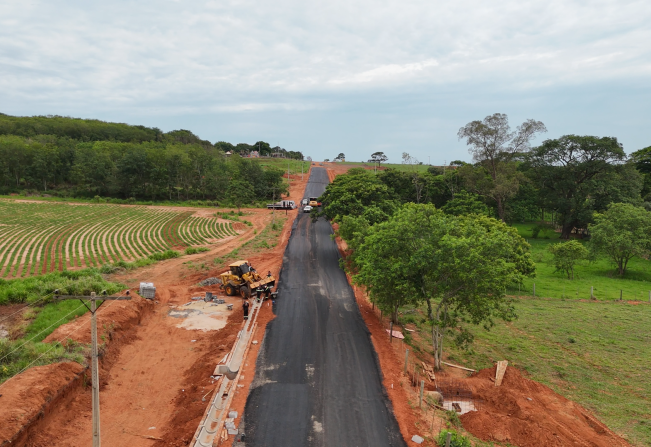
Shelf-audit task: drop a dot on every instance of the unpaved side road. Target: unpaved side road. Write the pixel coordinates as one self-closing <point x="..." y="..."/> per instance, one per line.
<point x="318" y="381"/>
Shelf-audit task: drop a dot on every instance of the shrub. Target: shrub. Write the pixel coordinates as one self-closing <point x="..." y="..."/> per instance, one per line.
<point x="456" y="440"/>
<point x="195" y="250"/>
<point x="167" y="254"/>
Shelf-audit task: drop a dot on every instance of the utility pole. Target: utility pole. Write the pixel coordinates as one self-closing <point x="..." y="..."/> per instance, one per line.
<point x="94" y="367"/>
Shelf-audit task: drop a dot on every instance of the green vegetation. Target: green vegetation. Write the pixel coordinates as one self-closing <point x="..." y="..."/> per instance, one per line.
<point x="599" y="273"/>
<point x="18" y="355"/>
<point x="44" y="315"/>
<point x="593" y="353"/>
<point x="31" y="290"/>
<point x="38" y="238"/>
<point x="621" y="233"/>
<point x="195" y="250"/>
<point x="458" y="266"/>
<point x="91" y="159"/>
<point x="568" y="255"/>
<point x="456" y="439"/>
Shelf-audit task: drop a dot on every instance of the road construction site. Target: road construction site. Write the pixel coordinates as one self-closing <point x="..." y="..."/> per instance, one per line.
<point x="316" y="368"/>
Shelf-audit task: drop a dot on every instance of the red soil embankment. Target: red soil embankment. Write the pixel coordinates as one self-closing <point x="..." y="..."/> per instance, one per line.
<point x="526" y="413"/>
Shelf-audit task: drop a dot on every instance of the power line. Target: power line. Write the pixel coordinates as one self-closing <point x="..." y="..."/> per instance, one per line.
<point x="25" y="307"/>
<point x="51" y="348"/>
<point x="7" y="355"/>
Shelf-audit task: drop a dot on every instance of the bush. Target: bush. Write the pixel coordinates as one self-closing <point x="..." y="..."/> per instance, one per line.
<point x="167" y="254"/>
<point x="456" y="440"/>
<point x="195" y="250"/>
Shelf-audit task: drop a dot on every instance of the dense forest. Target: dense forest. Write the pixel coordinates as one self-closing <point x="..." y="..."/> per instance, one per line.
<point x="90" y="158"/>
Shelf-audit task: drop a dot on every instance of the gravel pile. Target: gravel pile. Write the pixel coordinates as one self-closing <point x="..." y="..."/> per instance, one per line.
<point x="210" y="281"/>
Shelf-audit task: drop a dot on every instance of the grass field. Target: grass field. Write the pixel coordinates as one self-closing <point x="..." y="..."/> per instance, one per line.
<point x="594" y="353"/>
<point x="37" y="238"/>
<point x="600" y="274"/>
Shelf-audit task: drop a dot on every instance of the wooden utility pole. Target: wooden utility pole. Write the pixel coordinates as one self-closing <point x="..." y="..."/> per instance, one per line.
<point x="94" y="367"/>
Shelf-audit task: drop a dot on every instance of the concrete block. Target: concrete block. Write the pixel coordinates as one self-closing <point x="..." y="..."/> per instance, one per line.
<point x="232" y="414"/>
<point x="417" y="439"/>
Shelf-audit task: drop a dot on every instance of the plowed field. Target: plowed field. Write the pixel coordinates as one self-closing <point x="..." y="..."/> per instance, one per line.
<point x="37" y="237"/>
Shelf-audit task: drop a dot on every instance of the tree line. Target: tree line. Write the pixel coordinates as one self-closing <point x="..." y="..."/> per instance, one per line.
<point x="88" y="158"/>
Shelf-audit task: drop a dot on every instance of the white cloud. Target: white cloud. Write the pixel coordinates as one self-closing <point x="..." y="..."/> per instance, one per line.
<point x="170" y="57"/>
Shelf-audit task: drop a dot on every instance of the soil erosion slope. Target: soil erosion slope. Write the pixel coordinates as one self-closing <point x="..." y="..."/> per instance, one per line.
<point x="317" y="378"/>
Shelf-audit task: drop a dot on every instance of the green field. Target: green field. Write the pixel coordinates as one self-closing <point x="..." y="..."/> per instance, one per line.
<point x="596" y="353"/>
<point x="37" y="238"/>
<point x="600" y="274"/>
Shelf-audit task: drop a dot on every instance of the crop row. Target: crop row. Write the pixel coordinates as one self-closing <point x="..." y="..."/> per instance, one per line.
<point x="37" y="238"/>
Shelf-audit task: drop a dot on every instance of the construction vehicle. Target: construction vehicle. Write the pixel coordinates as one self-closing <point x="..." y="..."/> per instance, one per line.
<point x="242" y="279"/>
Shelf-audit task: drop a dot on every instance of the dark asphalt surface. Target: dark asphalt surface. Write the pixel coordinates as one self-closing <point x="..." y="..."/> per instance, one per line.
<point x="317" y="381"/>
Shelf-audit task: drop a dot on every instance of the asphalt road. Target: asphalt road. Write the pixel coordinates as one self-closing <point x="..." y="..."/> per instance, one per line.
<point x="317" y="379"/>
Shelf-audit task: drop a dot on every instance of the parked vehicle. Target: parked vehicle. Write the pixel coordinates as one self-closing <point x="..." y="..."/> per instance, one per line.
<point x="305" y="202"/>
<point x="282" y="205"/>
<point x="307" y="209"/>
<point x="314" y="201"/>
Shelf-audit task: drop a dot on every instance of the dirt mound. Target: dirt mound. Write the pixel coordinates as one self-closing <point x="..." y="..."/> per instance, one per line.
<point x="29" y="397"/>
<point x="528" y="414"/>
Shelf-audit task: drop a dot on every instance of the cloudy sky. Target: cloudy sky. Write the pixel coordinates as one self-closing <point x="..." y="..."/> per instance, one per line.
<point x="352" y="76"/>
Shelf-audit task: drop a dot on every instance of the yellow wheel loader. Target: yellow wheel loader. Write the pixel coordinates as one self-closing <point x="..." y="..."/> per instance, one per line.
<point x="242" y="279"/>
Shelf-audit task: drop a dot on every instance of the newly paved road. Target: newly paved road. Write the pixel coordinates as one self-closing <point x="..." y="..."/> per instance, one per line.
<point x="318" y="380"/>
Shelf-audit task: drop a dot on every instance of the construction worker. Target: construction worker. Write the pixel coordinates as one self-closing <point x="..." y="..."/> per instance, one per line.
<point x="258" y="292"/>
<point x="245" y="308"/>
<point x="269" y="274"/>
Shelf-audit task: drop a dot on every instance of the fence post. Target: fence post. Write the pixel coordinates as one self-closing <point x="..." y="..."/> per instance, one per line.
<point x="422" y="387"/>
<point x="448" y="439"/>
<point x="391" y="332"/>
<point x="649" y="296"/>
<point x="620" y="294"/>
<point x="406" y="359"/>
<point x="592" y="292"/>
<point x="534" y="290"/>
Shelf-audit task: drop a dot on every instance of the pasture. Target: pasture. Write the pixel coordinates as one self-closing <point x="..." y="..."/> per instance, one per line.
<point x="37" y="237"/>
<point x="598" y="274"/>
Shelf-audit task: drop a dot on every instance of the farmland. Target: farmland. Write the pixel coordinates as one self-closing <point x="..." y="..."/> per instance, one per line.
<point x="37" y="238"/>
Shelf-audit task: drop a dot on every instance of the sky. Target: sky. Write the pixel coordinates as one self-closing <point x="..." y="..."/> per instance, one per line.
<point x="351" y="76"/>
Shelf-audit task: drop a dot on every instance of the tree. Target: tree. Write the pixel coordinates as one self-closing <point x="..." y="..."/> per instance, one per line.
<point x="567" y="255"/>
<point x="378" y="157"/>
<point x="458" y="265"/>
<point x="340" y="157"/>
<point x="571" y="172"/>
<point x="465" y="203"/>
<point x="240" y="192"/>
<point x="493" y="146"/>
<point x="621" y="233"/>
<point x="351" y="194"/>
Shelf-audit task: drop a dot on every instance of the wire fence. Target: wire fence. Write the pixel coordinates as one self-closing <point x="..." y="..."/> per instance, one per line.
<point x="567" y="290"/>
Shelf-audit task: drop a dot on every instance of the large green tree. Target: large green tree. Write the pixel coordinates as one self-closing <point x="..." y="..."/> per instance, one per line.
<point x="622" y="232"/>
<point x="493" y="146"/>
<point x="353" y="193"/>
<point x="577" y="175"/>
<point x="458" y="265"/>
